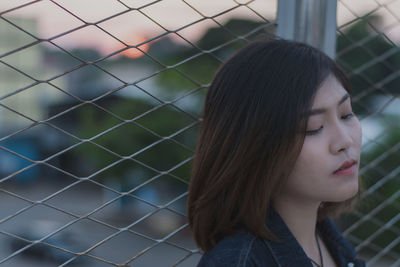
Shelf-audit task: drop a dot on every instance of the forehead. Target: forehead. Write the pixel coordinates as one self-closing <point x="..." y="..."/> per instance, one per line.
<point x="329" y="93"/>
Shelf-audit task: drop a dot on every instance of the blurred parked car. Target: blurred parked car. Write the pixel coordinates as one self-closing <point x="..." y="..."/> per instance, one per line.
<point x="65" y="239"/>
<point x="11" y="163"/>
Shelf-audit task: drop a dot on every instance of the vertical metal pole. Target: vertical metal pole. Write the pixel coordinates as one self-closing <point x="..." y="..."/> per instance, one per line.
<point x="309" y="21"/>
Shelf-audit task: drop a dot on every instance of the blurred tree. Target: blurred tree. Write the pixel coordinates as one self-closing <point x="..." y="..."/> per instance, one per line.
<point x="148" y="137"/>
<point x="216" y="45"/>
<point x="359" y="49"/>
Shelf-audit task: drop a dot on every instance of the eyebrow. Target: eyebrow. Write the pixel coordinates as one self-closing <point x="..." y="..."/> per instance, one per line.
<point x="323" y="110"/>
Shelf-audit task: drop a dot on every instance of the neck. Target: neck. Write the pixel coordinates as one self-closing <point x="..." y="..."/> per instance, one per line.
<point x="301" y="219"/>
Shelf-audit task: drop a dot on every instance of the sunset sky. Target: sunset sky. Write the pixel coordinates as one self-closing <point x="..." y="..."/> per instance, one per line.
<point x="133" y="27"/>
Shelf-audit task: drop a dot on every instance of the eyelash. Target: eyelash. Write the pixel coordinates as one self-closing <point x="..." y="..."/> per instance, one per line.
<point x="345" y="117"/>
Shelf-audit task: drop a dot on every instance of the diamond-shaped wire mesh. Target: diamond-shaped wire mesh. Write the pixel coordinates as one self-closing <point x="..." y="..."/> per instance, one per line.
<point x="368" y="49"/>
<point x="100" y="107"/>
<point x="100" y="103"/>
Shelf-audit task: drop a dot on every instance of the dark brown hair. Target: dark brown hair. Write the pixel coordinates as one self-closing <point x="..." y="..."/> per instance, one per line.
<point x="252" y="132"/>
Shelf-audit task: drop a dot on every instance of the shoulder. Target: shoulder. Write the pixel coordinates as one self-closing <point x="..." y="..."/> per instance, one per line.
<point x="243" y="249"/>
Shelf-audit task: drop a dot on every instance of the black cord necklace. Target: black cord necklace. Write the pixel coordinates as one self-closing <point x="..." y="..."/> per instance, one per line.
<point x="320" y="253"/>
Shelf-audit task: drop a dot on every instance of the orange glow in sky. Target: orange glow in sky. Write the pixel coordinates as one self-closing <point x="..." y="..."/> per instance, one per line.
<point x="133" y="52"/>
<point x="48" y="20"/>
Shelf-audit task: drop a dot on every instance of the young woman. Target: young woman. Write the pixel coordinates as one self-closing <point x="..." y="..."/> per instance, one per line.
<point x="277" y="156"/>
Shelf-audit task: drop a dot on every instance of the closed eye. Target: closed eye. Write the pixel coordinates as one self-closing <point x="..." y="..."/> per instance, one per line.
<point x="312" y="132"/>
<point x="345" y="117"/>
<point x="348" y="116"/>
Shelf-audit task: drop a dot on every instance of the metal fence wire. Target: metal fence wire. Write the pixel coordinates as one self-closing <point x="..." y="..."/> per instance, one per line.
<point x="96" y="140"/>
<point x="367" y="48"/>
<point x="100" y="104"/>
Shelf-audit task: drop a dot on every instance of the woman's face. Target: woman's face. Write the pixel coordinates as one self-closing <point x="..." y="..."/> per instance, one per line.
<point x="333" y="137"/>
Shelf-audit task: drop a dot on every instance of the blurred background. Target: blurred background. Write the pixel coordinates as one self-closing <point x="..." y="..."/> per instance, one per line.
<point x="100" y="105"/>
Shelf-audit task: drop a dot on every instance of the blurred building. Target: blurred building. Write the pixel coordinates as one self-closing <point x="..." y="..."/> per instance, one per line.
<point x="21" y="68"/>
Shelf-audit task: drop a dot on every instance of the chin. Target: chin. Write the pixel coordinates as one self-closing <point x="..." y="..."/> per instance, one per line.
<point x="347" y="192"/>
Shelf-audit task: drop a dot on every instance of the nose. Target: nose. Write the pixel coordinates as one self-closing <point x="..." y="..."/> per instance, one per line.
<point x="341" y="139"/>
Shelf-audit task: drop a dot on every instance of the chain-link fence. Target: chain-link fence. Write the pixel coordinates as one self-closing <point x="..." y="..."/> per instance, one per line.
<point x="367" y="48"/>
<point x="100" y="107"/>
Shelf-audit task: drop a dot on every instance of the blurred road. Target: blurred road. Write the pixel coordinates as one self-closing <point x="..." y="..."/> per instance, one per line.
<point x="40" y="220"/>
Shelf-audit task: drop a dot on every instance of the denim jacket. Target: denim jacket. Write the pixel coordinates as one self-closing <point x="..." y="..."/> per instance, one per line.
<point x="246" y="249"/>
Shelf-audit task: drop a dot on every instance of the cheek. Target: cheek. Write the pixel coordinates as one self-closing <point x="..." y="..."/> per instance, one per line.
<point x="308" y="161"/>
<point x="312" y="160"/>
<point x="311" y="151"/>
<point x="357" y="133"/>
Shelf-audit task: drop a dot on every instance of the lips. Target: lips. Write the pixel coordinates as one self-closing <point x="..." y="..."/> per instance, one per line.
<point x="346" y="165"/>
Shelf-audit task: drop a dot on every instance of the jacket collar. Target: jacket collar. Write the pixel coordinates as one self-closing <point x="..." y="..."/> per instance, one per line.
<point x="340" y="249"/>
